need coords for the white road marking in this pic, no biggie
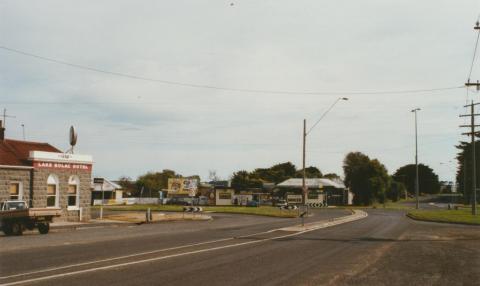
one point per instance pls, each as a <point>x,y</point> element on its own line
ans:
<point>131,255</point>
<point>148,260</point>
<point>161,257</point>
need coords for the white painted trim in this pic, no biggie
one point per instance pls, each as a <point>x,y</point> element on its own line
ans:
<point>15,167</point>
<point>60,157</point>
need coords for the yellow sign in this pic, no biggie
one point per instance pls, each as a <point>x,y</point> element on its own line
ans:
<point>183,186</point>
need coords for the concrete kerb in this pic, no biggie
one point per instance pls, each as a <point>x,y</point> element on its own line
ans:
<point>356,215</point>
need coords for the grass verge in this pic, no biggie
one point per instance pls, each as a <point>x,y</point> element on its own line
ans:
<point>263,210</point>
<point>461,216</point>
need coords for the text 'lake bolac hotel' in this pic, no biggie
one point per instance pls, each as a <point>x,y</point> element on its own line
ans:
<point>45,177</point>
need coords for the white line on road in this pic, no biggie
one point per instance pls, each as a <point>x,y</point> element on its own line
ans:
<point>130,255</point>
<point>147,260</point>
<point>346,219</point>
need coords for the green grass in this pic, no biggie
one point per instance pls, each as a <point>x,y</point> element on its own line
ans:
<point>388,206</point>
<point>263,210</point>
<point>463,216</point>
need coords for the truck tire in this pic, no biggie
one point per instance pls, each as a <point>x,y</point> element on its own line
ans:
<point>17,228</point>
<point>43,228</point>
<point>7,228</point>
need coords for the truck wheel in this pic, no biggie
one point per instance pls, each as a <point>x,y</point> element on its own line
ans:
<point>43,228</point>
<point>7,228</point>
<point>17,228</point>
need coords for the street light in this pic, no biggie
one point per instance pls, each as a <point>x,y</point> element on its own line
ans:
<point>416,160</point>
<point>305,133</point>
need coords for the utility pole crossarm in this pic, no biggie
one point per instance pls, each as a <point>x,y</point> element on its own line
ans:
<point>470,133</point>
<point>469,126</point>
<point>468,115</point>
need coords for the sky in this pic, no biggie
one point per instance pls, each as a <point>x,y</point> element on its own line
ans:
<point>311,51</point>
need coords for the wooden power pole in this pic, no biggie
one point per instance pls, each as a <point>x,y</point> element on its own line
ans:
<point>472,134</point>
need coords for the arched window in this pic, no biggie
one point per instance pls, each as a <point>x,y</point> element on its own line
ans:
<point>73,193</point>
<point>52,191</point>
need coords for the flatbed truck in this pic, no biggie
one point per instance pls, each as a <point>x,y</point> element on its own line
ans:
<point>16,216</point>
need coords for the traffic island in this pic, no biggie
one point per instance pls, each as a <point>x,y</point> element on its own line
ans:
<point>356,215</point>
<point>139,217</point>
<point>460,216</point>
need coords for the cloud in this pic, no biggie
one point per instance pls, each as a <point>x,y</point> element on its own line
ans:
<point>275,45</point>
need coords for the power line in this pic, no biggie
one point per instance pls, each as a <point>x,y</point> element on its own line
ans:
<point>204,86</point>
<point>474,51</point>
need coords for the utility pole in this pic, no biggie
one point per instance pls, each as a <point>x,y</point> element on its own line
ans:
<point>304,186</point>
<point>472,133</point>
<point>305,133</point>
<point>5,116</point>
<point>417,183</point>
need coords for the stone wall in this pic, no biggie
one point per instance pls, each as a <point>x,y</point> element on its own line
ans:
<point>40,177</point>
<point>10,175</point>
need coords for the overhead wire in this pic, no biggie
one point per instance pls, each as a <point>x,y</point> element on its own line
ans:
<point>214,87</point>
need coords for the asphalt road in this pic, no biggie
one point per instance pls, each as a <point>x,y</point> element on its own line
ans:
<point>384,248</point>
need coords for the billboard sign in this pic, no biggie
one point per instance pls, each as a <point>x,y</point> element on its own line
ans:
<point>294,199</point>
<point>183,186</point>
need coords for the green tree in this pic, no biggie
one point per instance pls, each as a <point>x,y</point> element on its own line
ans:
<point>465,167</point>
<point>129,186</point>
<point>396,191</point>
<point>331,176</point>
<point>367,179</point>
<point>428,180</point>
<point>243,180</point>
<point>310,172</point>
<point>153,182</point>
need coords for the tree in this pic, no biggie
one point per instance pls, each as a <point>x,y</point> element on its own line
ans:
<point>464,172</point>
<point>367,179</point>
<point>275,174</point>
<point>428,180</point>
<point>396,191</point>
<point>128,185</point>
<point>331,176</point>
<point>243,180</point>
<point>152,183</point>
<point>310,172</point>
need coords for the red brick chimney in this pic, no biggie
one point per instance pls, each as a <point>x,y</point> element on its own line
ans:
<point>2,131</point>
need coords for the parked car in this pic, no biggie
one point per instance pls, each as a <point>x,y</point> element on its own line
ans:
<point>178,201</point>
<point>202,201</point>
<point>252,204</point>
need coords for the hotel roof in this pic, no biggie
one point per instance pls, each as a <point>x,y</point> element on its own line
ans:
<point>16,152</point>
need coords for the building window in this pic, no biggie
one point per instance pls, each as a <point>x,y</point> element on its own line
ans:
<point>73,192</point>
<point>52,191</point>
<point>51,195</point>
<point>72,195</point>
<point>15,191</point>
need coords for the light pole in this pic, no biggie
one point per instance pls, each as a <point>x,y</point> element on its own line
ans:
<point>416,160</point>
<point>305,133</point>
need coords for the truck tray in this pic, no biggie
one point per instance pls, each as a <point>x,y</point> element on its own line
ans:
<point>33,212</point>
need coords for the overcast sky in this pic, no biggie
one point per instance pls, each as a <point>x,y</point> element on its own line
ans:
<point>132,126</point>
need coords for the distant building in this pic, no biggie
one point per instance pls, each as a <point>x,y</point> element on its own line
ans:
<point>45,177</point>
<point>320,190</point>
<point>107,190</point>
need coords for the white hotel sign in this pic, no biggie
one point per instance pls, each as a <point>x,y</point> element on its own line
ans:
<point>61,160</point>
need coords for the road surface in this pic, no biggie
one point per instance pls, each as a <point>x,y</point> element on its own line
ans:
<point>386,248</point>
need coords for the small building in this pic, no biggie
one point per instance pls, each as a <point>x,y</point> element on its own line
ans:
<point>320,191</point>
<point>106,190</point>
<point>45,177</point>
<point>224,196</point>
